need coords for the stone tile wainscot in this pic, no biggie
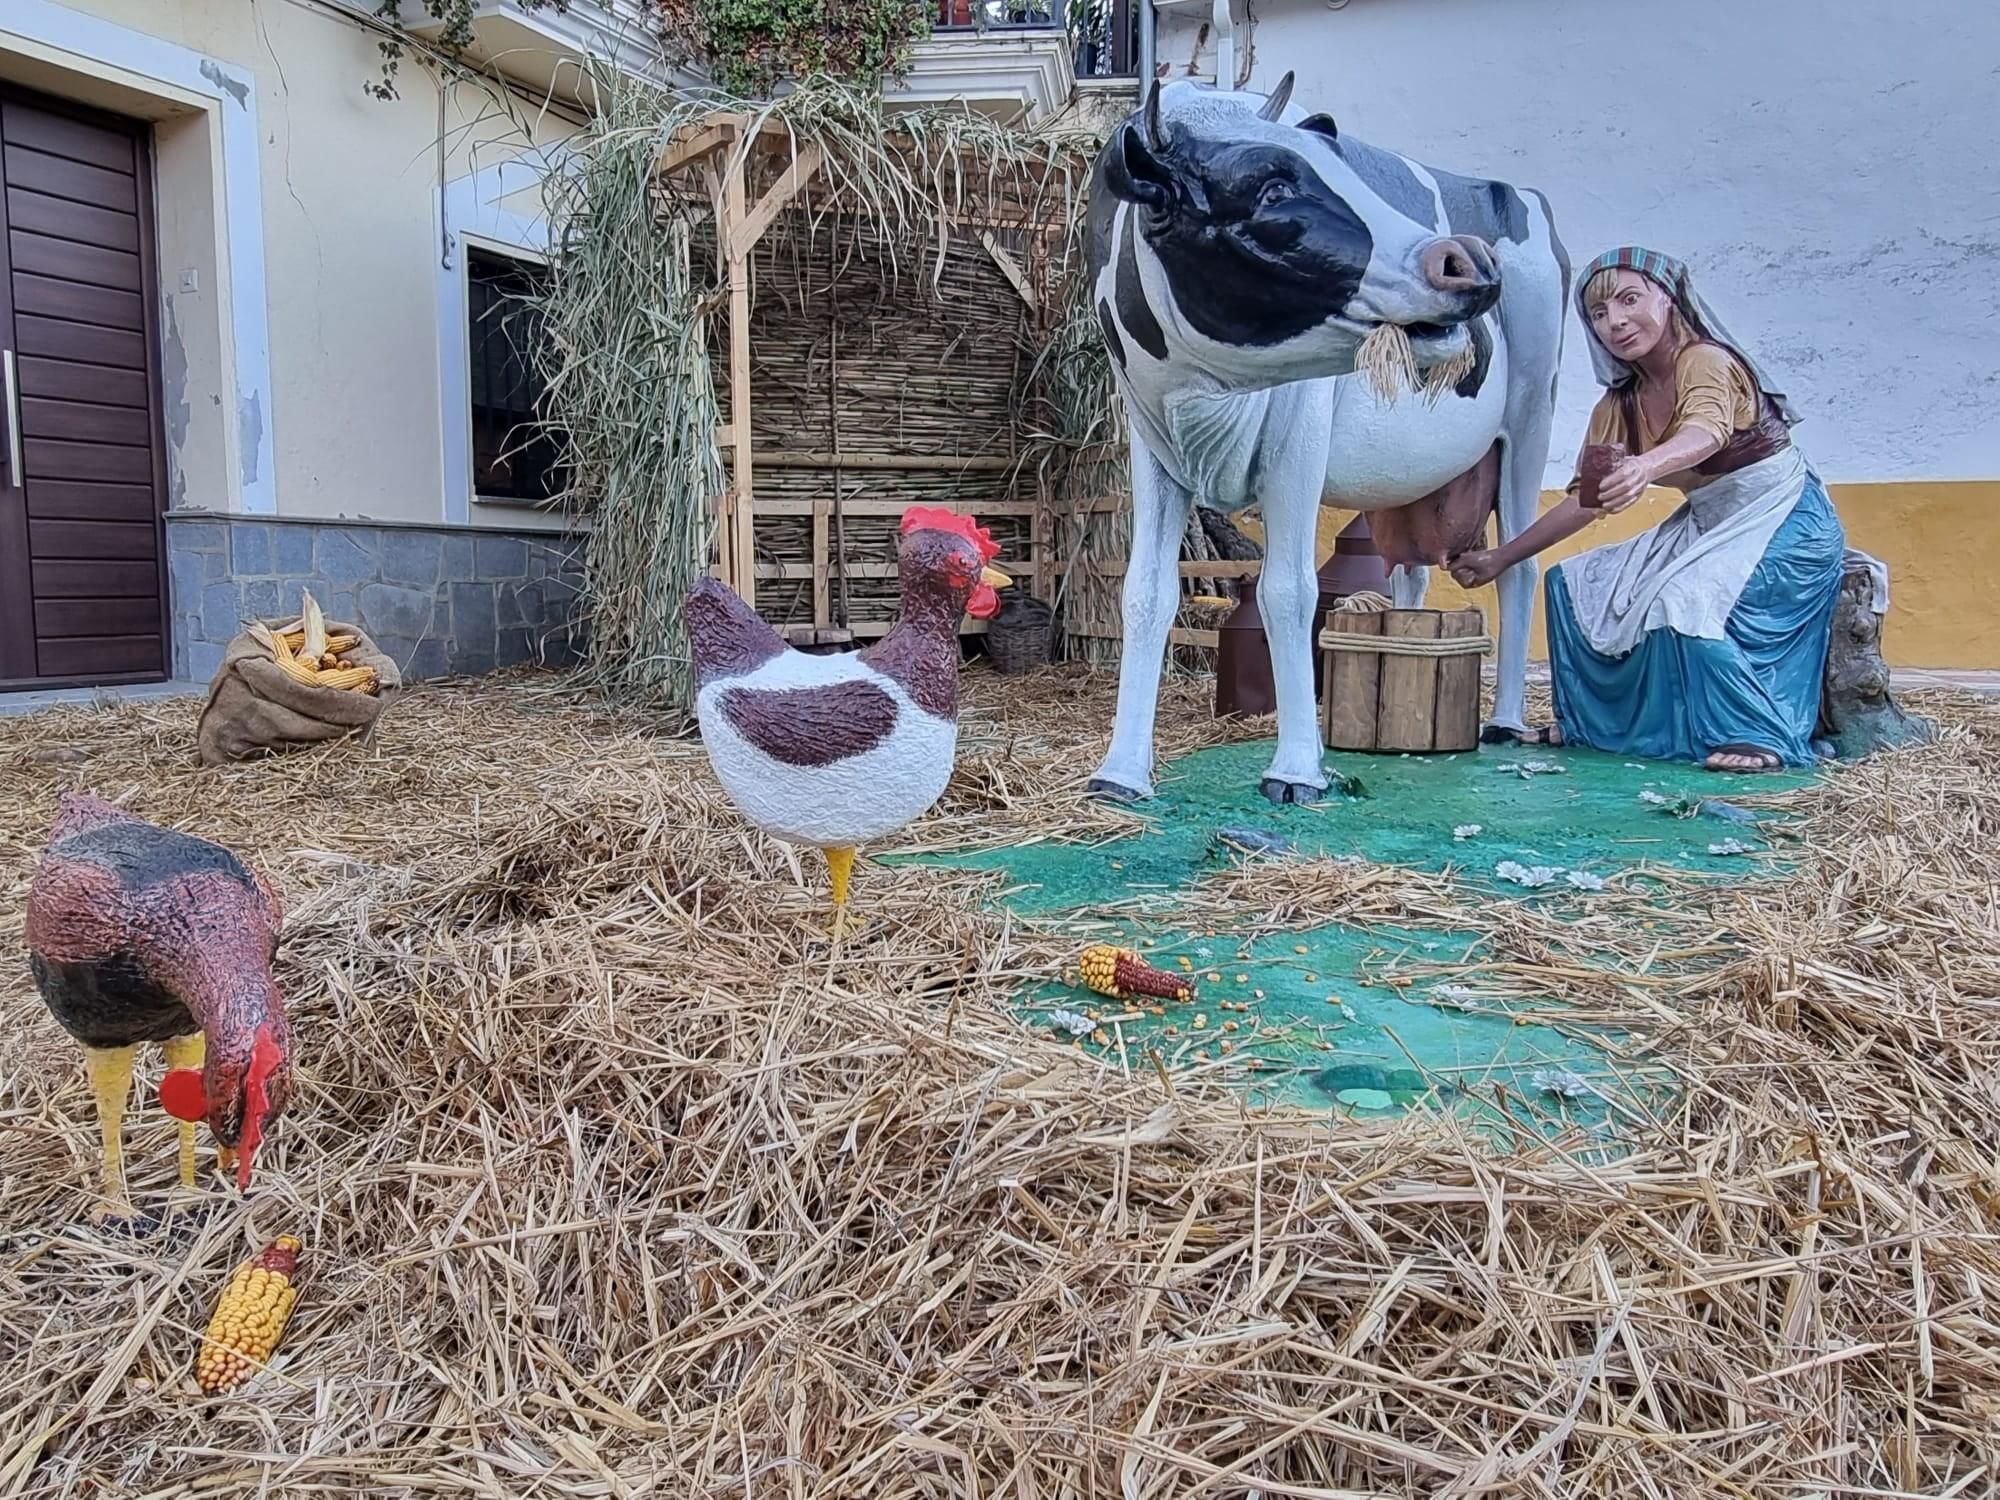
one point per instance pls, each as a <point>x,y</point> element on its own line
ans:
<point>439,600</point>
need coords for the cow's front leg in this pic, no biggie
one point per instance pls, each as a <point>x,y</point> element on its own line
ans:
<point>1288,597</point>
<point>1152,598</point>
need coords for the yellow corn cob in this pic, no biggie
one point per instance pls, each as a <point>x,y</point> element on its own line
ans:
<point>340,645</point>
<point>359,679</point>
<point>292,640</point>
<point>329,660</point>
<point>299,671</point>
<point>249,1318</point>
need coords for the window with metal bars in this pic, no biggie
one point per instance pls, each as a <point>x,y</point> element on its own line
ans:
<point>514,457</point>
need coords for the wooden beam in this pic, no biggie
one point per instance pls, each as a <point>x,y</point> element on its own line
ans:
<point>691,144</point>
<point>778,458</point>
<point>743,237</point>
<point>815,574</point>
<point>739,508</point>
<point>820,569</point>
<point>859,507</point>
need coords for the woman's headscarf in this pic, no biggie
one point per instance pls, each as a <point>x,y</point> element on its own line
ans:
<point>1672,277</point>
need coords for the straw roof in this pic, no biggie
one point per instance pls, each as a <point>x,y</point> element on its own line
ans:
<point>614,1183</point>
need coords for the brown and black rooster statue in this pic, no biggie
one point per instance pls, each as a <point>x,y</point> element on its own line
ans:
<point>140,934</point>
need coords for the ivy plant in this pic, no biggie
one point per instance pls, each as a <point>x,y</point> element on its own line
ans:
<point>452,40</point>
<point>749,47</point>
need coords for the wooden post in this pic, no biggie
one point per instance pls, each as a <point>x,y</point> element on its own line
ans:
<point>738,541</point>
<point>822,594</point>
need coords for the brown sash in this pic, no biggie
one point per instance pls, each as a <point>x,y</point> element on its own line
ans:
<point>1746,446</point>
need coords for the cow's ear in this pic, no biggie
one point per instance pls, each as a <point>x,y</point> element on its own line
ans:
<point>1321,125</point>
<point>1135,174</point>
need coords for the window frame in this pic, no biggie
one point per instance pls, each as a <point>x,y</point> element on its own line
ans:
<point>469,246</point>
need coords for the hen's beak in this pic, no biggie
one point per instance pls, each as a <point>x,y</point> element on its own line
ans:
<point>993,578</point>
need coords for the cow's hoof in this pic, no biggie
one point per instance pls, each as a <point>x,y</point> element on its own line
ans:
<point>1295,792</point>
<point>1115,791</point>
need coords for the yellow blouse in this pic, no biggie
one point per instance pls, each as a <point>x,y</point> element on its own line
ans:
<point>1713,393</point>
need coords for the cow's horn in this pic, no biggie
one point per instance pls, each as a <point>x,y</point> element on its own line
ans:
<point>1155,136</point>
<point>1274,107</point>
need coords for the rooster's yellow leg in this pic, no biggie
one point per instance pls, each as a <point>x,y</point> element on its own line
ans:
<point>187,1052</point>
<point>839,865</point>
<point>110,1084</point>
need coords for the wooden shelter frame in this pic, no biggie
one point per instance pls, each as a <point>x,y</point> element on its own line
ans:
<point>719,157</point>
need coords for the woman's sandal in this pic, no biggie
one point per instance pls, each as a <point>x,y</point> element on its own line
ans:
<point>1550,735</point>
<point>1765,759</point>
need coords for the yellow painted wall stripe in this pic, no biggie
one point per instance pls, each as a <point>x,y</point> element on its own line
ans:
<point>1941,540</point>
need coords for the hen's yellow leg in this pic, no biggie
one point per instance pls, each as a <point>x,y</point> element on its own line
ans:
<point>839,865</point>
<point>110,1084</point>
<point>187,1052</point>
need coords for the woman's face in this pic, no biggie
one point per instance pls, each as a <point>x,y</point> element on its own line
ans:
<point>1634,318</point>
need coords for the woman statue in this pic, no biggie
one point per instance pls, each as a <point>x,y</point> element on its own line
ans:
<point>1705,638</point>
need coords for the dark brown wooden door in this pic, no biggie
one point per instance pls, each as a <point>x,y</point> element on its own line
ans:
<point>82,566</point>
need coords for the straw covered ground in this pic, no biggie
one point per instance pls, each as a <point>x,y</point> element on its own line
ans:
<point>613,1185</point>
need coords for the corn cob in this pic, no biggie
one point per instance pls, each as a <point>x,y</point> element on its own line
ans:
<point>1119,972</point>
<point>299,671</point>
<point>360,679</point>
<point>249,1318</point>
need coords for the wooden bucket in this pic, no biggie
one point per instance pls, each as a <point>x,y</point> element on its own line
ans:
<point>1402,680</point>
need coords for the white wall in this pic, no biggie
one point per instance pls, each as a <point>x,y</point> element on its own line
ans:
<point>345,232</point>
<point>1830,168</point>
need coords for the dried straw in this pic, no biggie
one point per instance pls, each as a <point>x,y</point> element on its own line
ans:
<point>614,1184</point>
<point>1389,361</point>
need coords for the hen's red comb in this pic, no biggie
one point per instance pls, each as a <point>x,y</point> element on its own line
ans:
<point>936,518</point>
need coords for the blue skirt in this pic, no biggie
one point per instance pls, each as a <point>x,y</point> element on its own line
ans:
<point>1677,697</point>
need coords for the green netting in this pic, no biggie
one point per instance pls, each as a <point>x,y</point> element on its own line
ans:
<point>1570,810</point>
<point>1355,1021</point>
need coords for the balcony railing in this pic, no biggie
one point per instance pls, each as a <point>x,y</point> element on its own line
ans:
<point>1103,33</point>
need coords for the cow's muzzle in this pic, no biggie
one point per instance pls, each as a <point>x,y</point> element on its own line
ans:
<point>1462,266</point>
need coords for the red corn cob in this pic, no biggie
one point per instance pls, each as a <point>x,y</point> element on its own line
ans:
<point>1119,973</point>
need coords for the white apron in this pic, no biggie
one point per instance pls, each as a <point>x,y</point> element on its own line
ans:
<point>1687,573</point>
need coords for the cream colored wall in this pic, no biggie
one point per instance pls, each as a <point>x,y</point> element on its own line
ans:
<point>1937,538</point>
<point>349,185</point>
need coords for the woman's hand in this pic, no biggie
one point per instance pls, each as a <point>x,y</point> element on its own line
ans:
<point>1472,570</point>
<point>1623,486</point>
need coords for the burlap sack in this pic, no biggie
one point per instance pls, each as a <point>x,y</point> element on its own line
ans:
<point>254,709</point>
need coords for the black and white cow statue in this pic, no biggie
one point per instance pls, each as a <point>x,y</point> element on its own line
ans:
<point>1241,251</point>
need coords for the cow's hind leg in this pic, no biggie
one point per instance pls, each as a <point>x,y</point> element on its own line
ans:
<point>1152,598</point>
<point>1408,584</point>
<point>1535,279</point>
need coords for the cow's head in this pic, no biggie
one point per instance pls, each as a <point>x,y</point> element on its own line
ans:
<point>1272,245</point>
